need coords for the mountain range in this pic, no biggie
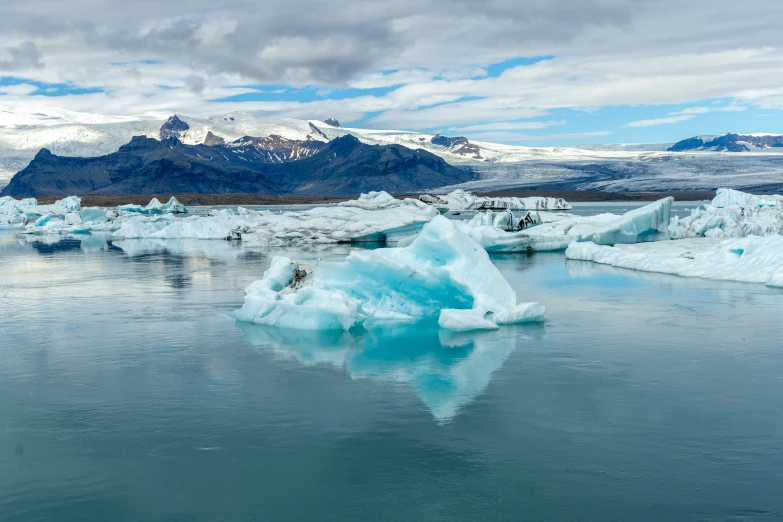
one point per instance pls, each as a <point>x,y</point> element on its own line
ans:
<point>262,166</point>
<point>290,156</point>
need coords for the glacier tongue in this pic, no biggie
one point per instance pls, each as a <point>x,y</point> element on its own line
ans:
<point>441,275</point>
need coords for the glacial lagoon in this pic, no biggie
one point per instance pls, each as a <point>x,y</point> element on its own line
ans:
<point>127,392</point>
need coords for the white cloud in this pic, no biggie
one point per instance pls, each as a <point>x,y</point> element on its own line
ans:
<point>659,121</point>
<point>607,53</point>
<point>509,126</point>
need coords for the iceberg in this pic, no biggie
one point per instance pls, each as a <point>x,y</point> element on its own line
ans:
<point>441,275</point>
<point>750,259</point>
<point>726,197</point>
<point>558,230</point>
<point>156,207</point>
<point>732,214</point>
<point>460,200</point>
<point>373,218</point>
<point>14,212</point>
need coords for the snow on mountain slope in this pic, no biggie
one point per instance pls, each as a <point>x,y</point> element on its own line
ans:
<point>610,168</point>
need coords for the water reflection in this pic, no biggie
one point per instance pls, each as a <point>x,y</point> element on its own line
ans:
<point>446,370</point>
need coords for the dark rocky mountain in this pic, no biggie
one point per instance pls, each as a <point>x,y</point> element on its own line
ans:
<point>457,145</point>
<point>212,139</point>
<point>344,166</point>
<point>333,122</point>
<point>173,128</point>
<point>729,143</point>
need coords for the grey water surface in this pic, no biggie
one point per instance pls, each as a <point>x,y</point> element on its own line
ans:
<point>127,393</point>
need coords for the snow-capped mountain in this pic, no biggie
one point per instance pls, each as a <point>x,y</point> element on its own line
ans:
<point>731,143</point>
<point>686,166</point>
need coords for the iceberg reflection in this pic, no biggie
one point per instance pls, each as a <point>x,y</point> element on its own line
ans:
<point>446,370</point>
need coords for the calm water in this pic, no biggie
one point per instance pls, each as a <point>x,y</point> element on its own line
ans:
<point>128,394</point>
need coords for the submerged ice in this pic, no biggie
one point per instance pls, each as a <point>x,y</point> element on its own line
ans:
<point>441,275</point>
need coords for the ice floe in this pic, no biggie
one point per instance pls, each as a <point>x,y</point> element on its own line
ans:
<point>558,230</point>
<point>441,275</point>
<point>460,200</point>
<point>750,259</point>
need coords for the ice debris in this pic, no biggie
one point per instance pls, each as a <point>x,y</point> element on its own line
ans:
<point>442,275</point>
<point>750,259</point>
<point>558,230</point>
<point>460,200</point>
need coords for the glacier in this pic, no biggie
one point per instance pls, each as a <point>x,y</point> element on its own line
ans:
<point>459,200</point>
<point>558,230</point>
<point>749,259</point>
<point>441,275</point>
<point>732,214</point>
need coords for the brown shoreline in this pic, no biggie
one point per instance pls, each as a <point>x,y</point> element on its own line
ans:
<point>111,200</point>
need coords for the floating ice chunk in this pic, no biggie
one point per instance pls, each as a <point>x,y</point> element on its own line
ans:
<point>645,224</point>
<point>557,231</point>
<point>441,275</point>
<point>172,207</point>
<point>731,220</point>
<point>751,259</point>
<point>14,212</point>
<point>93,215</point>
<point>734,198</point>
<point>506,220</point>
<point>156,207</point>
<point>459,200</point>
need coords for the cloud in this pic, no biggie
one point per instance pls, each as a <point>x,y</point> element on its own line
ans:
<point>684,115</point>
<point>22,57</point>
<point>660,121</point>
<point>509,126</point>
<point>195,83</point>
<point>427,57</point>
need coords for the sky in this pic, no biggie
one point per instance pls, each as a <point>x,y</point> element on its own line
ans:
<point>522,72</point>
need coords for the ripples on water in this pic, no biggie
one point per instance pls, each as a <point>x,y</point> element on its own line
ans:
<point>127,393</point>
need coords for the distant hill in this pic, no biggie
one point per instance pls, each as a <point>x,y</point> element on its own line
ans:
<point>272,165</point>
<point>730,143</point>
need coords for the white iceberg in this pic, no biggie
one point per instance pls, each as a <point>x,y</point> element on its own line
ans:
<point>459,200</point>
<point>734,198</point>
<point>558,230</point>
<point>376,217</point>
<point>732,214</point>
<point>156,207</point>
<point>442,275</point>
<point>750,259</point>
<point>14,212</point>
